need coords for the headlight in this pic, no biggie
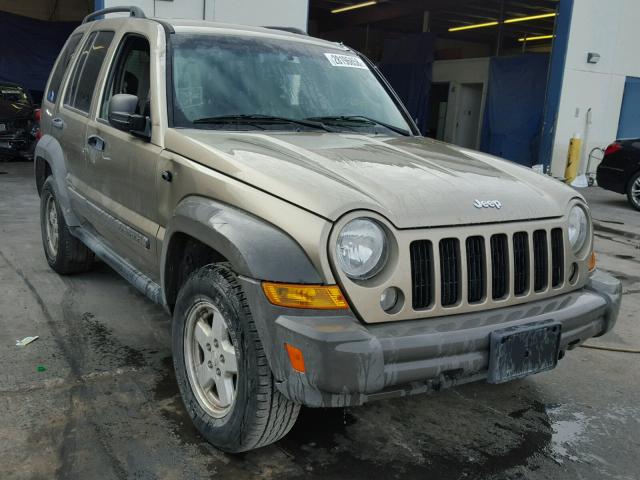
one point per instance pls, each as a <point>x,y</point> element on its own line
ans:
<point>578,227</point>
<point>361,248</point>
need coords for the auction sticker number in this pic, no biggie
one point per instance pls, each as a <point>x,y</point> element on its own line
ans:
<point>348,61</point>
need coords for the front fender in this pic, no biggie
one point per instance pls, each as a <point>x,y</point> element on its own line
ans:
<point>254,247</point>
<point>49,150</point>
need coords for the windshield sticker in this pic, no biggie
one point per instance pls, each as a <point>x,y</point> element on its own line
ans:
<point>349,61</point>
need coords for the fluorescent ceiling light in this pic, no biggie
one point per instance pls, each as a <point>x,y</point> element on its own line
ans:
<point>539,37</point>
<point>477,25</point>
<point>532,17</point>
<point>509,20</point>
<point>354,6</point>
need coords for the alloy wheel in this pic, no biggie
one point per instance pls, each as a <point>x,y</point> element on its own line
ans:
<point>210,358</point>
<point>51,226</point>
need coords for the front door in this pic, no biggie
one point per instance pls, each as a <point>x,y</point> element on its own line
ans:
<point>122,167</point>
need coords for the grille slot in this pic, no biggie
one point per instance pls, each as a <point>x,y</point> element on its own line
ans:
<point>449,271</point>
<point>540,260</point>
<point>557,257</point>
<point>475,269</point>
<point>499,267</point>
<point>520,263</point>
<point>422,274</point>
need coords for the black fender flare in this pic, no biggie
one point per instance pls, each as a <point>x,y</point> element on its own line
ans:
<point>255,248</point>
<point>49,150</point>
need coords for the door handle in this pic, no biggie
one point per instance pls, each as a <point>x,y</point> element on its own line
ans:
<point>57,122</point>
<point>96,142</point>
<point>167,176</point>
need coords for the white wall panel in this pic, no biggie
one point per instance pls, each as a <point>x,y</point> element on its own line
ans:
<point>610,29</point>
<point>282,13</point>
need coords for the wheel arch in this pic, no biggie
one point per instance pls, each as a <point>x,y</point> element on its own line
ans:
<point>203,231</point>
<point>50,160</point>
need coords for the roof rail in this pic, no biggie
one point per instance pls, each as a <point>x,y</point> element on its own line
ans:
<point>133,12</point>
<point>288,29</point>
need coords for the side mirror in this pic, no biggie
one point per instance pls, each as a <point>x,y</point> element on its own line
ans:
<point>122,108</point>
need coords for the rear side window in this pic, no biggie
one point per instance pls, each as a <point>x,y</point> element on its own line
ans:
<point>61,67</point>
<point>85,74</point>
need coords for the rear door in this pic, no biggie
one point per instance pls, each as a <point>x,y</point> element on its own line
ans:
<point>52,92</point>
<point>69,122</point>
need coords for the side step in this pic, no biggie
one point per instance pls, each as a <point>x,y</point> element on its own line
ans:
<point>134,276</point>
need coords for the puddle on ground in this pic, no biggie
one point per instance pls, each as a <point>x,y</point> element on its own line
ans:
<point>429,436</point>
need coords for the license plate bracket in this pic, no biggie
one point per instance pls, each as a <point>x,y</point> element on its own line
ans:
<point>522,350</point>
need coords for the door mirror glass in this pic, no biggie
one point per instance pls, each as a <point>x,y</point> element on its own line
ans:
<point>123,116</point>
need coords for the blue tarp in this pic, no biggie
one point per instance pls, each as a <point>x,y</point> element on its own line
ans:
<point>406,63</point>
<point>29,48</point>
<point>629,125</point>
<point>514,107</point>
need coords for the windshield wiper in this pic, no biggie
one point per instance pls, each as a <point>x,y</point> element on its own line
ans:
<point>257,119</point>
<point>360,119</point>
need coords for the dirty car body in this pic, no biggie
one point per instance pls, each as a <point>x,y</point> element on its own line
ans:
<point>16,120</point>
<point>372,261</point>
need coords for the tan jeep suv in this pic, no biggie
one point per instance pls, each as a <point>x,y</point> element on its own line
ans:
<point>272,193</point>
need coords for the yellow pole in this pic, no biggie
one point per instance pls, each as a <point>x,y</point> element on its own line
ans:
<point>573,159</point>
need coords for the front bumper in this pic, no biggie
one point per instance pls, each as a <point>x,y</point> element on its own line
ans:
<point>350,363</point>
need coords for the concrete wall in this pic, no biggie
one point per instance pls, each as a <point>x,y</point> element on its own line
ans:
<point>281,13</point>
<point>611,29</point>
<point>456,72</point>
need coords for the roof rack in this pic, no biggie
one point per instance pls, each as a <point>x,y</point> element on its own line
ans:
<point>288,29</point>
<point>133,12</point>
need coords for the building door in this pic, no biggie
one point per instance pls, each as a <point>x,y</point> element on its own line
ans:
<point>468,115</point>
<point>437,110</point>
<point>629,125</point>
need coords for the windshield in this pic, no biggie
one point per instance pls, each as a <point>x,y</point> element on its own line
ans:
<point>246,83</point>
<point>13,94</point>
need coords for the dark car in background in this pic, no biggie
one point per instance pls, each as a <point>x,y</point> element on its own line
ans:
<point>619,170</point>
<point>19,127</point>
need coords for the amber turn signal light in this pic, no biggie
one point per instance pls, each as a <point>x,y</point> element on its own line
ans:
<point>295,357</point>
<point>319,297</point>
<point>592,262</point>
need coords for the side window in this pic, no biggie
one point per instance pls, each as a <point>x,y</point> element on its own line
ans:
<point>61,67</point>
<point>85,74</point>
<point>130,74</point>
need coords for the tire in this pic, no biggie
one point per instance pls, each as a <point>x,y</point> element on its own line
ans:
<point>64,252</point>
<point>210,302</point>
<point>633,191</point>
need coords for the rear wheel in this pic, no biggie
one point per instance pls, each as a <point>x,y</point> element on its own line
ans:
<point>633,191</point>
<point>65,253</point>
<point>221,368</point>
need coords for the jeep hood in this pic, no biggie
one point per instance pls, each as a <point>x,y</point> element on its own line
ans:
<point>412,181</point>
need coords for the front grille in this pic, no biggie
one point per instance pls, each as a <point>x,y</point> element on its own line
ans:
<point>12,125</point>
<point>499,266</point>
<point>449,271</point>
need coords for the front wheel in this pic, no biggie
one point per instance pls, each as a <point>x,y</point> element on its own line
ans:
<point>222,371</point>
<point>633,191</point>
